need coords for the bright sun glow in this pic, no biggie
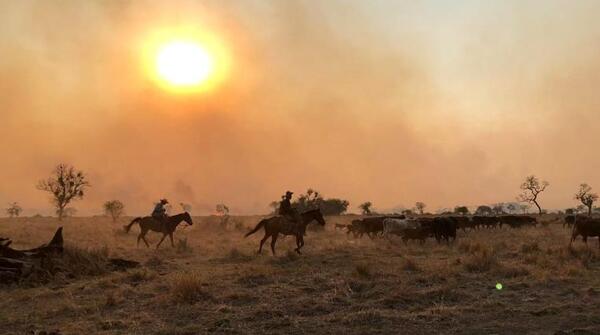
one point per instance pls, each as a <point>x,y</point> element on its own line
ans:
<point>185,59</point>
<point>184,63</point>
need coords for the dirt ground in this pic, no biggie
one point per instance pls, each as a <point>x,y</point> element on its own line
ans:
<point>213,281</point>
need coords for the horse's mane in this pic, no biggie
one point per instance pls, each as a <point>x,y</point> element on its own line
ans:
<point>312,210</point>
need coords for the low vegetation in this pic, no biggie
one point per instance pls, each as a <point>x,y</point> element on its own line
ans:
<point>213,281</point>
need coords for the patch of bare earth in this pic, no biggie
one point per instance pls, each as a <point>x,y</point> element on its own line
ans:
<point>213,281</point>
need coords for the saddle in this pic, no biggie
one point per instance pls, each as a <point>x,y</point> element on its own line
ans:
<point>289,226</point>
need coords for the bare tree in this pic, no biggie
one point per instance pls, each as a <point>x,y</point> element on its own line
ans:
<point>532,187</point>
<point>420,206</point>
<point>365,207</point>
<point>586,197</point>
<point>14,210</point>
<point>114,208</point>
<point>65,185</point>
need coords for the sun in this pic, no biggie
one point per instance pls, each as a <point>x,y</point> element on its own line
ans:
<point>184,63</point>
<point>186,59</point>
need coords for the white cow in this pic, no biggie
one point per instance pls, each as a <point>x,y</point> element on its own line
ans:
<point>397,226</point>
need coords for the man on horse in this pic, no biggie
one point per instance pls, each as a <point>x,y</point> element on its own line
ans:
<point>289,213</point>
<point>160,212</point>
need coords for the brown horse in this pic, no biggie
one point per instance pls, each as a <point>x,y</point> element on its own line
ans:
<point>149,223</point>
<point>278,225</point>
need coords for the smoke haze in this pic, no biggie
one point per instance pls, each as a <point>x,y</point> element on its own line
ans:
<point>392,102</point>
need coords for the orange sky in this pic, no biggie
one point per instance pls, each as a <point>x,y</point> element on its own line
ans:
<point>446,102</point>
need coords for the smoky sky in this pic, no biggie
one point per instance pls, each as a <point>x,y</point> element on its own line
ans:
<point>445,102</point>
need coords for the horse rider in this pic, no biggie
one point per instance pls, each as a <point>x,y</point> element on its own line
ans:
<point>160,212</point>
<point>287,211</point>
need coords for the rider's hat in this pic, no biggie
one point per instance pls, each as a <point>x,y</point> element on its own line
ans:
<point>288,193</point>
<point>164,201</point>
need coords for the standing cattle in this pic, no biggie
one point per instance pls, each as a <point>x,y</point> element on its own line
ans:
<point>444,228</point>
<point>463,222</point>
<point>569,220</point>
<point>372,226</point>
<point>397,226</point>
<point>517,221</point>
<point>485,221</point>
<point>586,227</point>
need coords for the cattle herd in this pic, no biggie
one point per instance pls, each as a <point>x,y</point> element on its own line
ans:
<point>443,228</point>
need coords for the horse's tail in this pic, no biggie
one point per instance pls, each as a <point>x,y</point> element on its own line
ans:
<point>258,226</point>
<point>134,221</point>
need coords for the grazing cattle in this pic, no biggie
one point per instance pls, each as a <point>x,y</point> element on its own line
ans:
<point>485,221</point>
<point>397,226</point>
<point>517,221</point>
<point>444,228</point>
<point>586,227</point>
<point>420,233</point>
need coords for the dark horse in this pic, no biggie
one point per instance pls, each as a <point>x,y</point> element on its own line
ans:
<point>277,225</point>
<point>149,223</point>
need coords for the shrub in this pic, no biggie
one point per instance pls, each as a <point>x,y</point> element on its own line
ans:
<point>480,261</point>
<point>188,288</point>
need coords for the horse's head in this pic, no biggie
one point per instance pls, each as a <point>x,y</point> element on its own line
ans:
<point>316,215</point>
<point>187,218</point>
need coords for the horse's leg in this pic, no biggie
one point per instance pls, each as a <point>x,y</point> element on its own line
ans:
<point>143,236</point>
<point>264,239</point>
<point>162,239</point>
<point>301,244</point>
<point>171,237</point>
<point>273,241</point>
<point>297,244</point>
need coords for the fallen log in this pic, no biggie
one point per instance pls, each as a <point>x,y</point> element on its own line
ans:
<point>15,264</point>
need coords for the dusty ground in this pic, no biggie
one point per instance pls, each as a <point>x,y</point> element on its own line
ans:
<point>216,283</point>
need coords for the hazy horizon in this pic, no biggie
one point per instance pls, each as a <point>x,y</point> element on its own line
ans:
<point>393,102</point>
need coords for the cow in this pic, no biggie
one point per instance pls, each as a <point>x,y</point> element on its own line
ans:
<point>463,222</point>
<point>444,228</point>
<point>397,226</point>
<point>485,221</point>
<point>569,220</point>
<point>517,221</point>
<point>372,226</point>
<point>586,227</point>
<point>420,233</point>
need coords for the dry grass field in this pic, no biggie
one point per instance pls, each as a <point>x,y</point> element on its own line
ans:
<point>213,282</point>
